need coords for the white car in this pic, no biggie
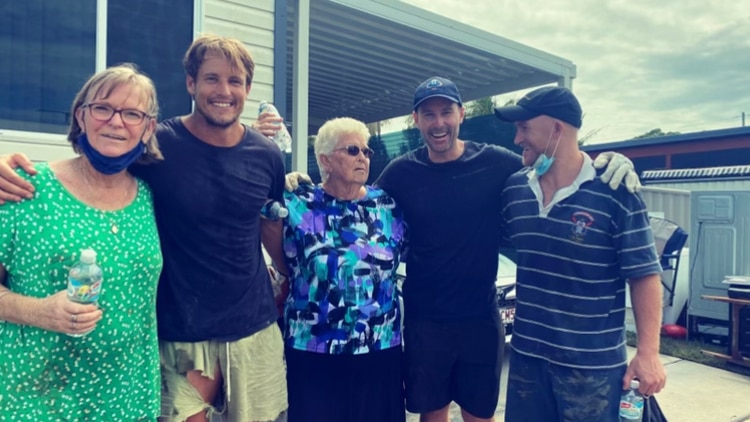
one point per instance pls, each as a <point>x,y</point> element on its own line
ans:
<point>506,291</point>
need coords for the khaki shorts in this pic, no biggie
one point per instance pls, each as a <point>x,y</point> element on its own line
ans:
<point>254,377</point>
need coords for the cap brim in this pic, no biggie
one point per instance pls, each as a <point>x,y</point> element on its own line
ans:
<point>447,97</point>
<point>514,113</point>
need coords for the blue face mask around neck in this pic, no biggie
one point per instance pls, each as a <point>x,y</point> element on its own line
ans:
<point>543,162</point>
<point>109,165</point>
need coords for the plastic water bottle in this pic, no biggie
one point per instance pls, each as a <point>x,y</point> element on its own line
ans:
<point>282,137</point>
<point>273,210</point>
<point>631,404</point>
<point>85,280</point>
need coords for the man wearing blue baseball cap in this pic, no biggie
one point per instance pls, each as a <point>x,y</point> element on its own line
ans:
<point>451,191</point>
<point>579,243</point>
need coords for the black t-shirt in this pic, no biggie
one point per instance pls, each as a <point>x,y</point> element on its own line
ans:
<point>207,201</point>
<point>453,213</point>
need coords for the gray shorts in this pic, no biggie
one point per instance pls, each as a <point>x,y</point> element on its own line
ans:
<point>254,375</point>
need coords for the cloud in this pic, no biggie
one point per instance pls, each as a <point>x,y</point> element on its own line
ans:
<point>678,65</point>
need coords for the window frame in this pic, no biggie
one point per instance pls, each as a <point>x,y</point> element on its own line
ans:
<point>100,63</point>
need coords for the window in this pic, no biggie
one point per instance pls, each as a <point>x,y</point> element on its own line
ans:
<point>153,34</point>
<point>49,50</point>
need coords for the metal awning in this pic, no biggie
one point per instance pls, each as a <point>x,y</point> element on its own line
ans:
<point>366,57</point>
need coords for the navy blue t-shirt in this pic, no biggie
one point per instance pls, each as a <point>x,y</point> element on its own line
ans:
<point>207,201</point>
<point>453,213</point>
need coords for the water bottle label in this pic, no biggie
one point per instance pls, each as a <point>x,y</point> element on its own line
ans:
<point>631,410</point>
<point>83,292</point>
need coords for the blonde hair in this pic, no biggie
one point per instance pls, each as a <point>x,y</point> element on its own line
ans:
<point>230,48</point>
<point>329,135</point>
<point>101,85</point>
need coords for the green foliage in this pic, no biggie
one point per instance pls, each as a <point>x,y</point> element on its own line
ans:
<point>379,160</point>
<point>409,121</point>
<point>375,128</point>
<point>413,140</point>
<point>582,140</point>
<point>480,107</point>
<point>654,133</point>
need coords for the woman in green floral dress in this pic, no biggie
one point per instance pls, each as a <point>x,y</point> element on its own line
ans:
<point>48,371</point>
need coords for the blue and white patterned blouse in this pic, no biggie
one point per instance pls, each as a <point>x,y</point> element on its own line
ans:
<point>343,257</point>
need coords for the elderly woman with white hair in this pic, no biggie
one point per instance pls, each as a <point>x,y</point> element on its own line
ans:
<point>342,244</point>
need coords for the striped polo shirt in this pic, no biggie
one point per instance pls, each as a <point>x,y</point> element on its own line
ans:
<point>574,257</point>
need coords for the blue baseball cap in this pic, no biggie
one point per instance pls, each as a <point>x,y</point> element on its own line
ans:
<point>436,87</point>
<point>553,101</point>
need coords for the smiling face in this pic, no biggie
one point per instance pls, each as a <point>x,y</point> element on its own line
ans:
<point>219,91</point>
<point>344,168</point>
<point>439,120</point>
<point>114,137</point>
<point>534,136</point>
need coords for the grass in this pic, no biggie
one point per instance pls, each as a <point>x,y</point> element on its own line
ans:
<point>692,350</point>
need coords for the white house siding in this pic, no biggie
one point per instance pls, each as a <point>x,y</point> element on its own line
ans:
<point>252,22</point>
<point>673,197</point>
<point>673,203</point>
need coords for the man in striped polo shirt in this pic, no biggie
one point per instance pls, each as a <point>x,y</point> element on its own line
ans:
<point>578,244</point>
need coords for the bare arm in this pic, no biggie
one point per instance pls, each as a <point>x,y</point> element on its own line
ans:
<point>12,187</point>
<point>271,233</point>
<point>53,313</point>
<point>645,294</point>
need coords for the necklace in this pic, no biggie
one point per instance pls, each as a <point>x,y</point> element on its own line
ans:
<point>113,225</point>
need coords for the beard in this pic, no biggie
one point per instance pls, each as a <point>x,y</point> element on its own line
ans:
<point>215,122</point>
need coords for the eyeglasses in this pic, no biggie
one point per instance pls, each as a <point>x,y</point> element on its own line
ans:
<point>354,151</point>
<point>103,113</point>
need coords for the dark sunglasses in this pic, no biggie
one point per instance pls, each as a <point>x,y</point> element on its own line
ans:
<point>354,151</point>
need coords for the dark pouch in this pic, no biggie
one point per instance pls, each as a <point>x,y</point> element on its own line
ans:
<point>652,412</point>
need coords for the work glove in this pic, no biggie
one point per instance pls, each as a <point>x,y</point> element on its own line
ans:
<point>295,178</point>
<point>619,170</point>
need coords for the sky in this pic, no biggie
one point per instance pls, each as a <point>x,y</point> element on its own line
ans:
<point>678,65</point>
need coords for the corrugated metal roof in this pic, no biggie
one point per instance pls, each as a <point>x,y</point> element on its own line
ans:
<point>367,57</point>
<point>670,139</point>
<point>697,173</point>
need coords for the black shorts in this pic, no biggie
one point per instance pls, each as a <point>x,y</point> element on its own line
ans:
<point>454,361</point>
<point>345,388</point>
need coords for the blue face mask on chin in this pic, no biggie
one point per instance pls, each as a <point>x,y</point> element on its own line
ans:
<point>109,165</point>
<point>542,164</point>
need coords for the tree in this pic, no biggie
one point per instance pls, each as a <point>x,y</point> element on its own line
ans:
<point>480,107</point>
<point>375,127</point>
<point>654,133</point>
<point>409,121</point>
<point>588,136</point>
<point>413,140</point>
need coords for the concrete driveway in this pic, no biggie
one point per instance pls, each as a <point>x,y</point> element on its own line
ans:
<point>694,393</point>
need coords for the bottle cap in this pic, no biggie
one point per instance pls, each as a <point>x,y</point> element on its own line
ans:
<point>283,212</point>
<point>88,256</point>
<point>634,384</point>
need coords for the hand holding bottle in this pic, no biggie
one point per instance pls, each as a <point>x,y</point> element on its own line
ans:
<point>267,112</point>
<point>84,285</point>
<point>57,313</point>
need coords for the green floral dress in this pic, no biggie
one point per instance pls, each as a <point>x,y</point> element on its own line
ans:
<point>112,373</point>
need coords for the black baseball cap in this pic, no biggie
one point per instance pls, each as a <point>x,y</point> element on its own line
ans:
<point>436,87</point>
<point>553,101</point>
